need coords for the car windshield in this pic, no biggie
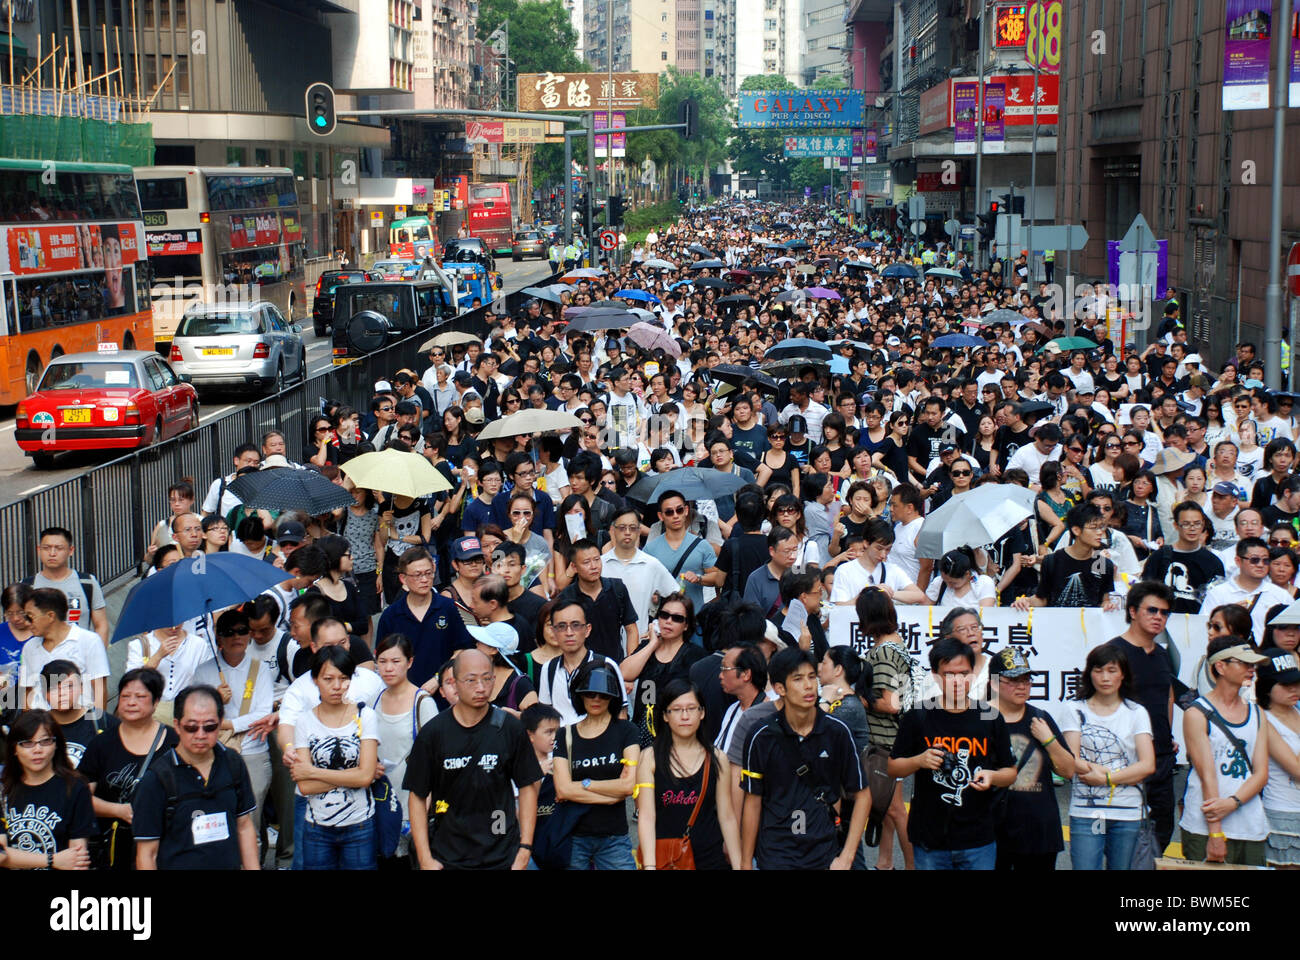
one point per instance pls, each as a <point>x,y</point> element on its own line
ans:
<point>219,325</point>
<point>89,376</point>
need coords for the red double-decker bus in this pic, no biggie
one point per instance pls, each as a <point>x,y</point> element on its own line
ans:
<point>490,217</point>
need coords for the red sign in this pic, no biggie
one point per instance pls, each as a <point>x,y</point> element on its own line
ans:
<point>1011,26</point>
<point>932,182</point>
<point>1293,270</point>
<point>1019,105</point>
<point>165,242</point>
<point>69,246</point>
<point>936,109</point>
<point>485,131</point>
<point>254,230</point>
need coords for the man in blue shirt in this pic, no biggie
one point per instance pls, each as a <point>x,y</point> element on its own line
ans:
<point>431,622</point>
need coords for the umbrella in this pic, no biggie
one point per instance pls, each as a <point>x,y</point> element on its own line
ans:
<point>822,293</point>
<point>656,263</point>
<point>594,310</point>
<point>700,250</point>
<point>784,261</point>
<point>788,296</point>
<point>974,519</point>
<point>193,588</point>
<point>716,282</point>
<point>782,225</point>
<point>604,320</point>
<point>404,473</point>
<point>799,347</point>
<point>1031,407</point>
<point>693,483</point>
<point>943,272</point>
<point>866,245</point>
<point>857,344</point>
<point>543,294</point>
<point>1291,615</point>
<point>904,270</point>
<point>637,295</point>
<point>737,299</point>
<point>584,273</point>
<point>641,312</point>
<point>529,421</point>
<point>839,364</point>
<point>959,340</point>
<point>738,275</point>
<point>798,245</point>
<point>652,337</point>
<point>1003,316</point>
<point>764,271</point>
<point>859,265</point>
<point>707,265</point>
<point>279,488</point>
<point>1071,343</point>
<point>806,268</point>
<point>794,366</point>
<point>739,375</point>
<point>449,340</point>
<point>1034,325</point>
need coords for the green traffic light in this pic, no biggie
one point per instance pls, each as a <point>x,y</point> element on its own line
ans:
<point>321,121</point>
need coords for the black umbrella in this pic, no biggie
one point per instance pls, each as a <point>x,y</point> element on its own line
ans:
<point>738,375</point>
<point>603,320</point>
<point>1035,406</point>
<point>716,282</point>
<point>281,488</point>
<point>764,271</point>
<point>779,225</point>
<point>700,250</point>
<point>794,366</point>
<point>798,245</point>
<point>707,265</point>
<point>738,299</point>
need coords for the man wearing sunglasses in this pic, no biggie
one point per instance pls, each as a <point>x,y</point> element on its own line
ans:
<point>1251,587</point>
<point>193,809</point>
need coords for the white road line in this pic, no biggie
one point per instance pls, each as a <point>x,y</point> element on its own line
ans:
<point>9,426</point>
<point>203,418</point>
<point>39,486</point>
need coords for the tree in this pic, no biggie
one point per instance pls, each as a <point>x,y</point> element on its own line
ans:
<point>762,152</point>
<point>666,148</point>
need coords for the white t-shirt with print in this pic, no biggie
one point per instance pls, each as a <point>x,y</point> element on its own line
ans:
<point>1109,740</point>
<point>337,748</point>
<point>81,647</point>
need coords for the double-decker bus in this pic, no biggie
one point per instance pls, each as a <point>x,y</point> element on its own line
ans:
<point>221,234</point>
<point>490,218</point>
<point>412,238</point>
<point>73,266</point>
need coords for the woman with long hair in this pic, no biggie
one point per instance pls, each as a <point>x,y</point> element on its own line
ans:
<point>894,455</point>
<point>788,512</point>
<point>1104,472</point>
<point>1216,428</point>
<point>777,465</point>
<point>983,445</point>
<point>14,632</point>
<point>1194,480</point>
<point>1279,458</point>
<point>45,803</point>
<point>116,761</point>
<point>453,428</point>
<point>1051,505</point>
<point>665,656</point>
<point>573,522</point>
<point>681,787</point>
<point>960,583</point>
<point>834,438</point>
<point>1277,691</point>
<point>1110,737</point>
<point>322,444</point>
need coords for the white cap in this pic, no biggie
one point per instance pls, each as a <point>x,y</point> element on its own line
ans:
<point>1193,358</point>
<point>382,385</point>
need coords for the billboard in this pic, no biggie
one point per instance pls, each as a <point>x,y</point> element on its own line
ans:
<point>620,139</point>
<point>1246,55</point>
<point>568,92</point>
<point>800,108</point>
<point>835,146</point>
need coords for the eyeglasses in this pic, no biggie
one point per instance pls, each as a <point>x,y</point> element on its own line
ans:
<point>210,727</point>
<point>421,575</point>
<point>521,474</point>
<point>1156,611</point>
<point>385,409</point>
<point>688,711</point>
<point>674,617</point>
<point>235,632</point>
<point>1132,443</point>
<point>573,626</point>
<point>626,527</point>
<point>436,355</point>
<point>521,513</point>
<point>1111,446</point>
<point>44,742</point>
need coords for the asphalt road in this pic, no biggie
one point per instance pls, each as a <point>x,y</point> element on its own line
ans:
<point>18,477</point>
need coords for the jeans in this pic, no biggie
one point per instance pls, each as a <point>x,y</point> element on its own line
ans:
<point>602,853</point>
<point>1093,841</point>
<point>973,858</point>
<point>299,822</point>
<point>338,848</point>
<point>1160,799</point>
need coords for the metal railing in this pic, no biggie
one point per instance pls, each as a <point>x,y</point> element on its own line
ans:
<point>112,509</point>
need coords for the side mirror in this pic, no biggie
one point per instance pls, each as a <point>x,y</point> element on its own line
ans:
<point>295,328</point>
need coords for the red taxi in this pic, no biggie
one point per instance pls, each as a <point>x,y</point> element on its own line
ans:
<point>112,400</point>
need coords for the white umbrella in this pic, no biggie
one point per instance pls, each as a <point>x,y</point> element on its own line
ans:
<point>974,519</point>
<point>529,421</point>
<point>1288,616</point>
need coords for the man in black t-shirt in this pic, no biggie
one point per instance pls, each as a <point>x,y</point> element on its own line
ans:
<point>927,436</point>
<point>1077,575</point>
<point>1184,565</point>
<point>958,750</point>
<point>1012,436</point>
<point>461,769</point>
<point>745,550</point>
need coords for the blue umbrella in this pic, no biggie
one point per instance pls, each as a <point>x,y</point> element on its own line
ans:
<point>839,364</point>
<point>900,270</point>
<point>192,588</point>
<point>637,295</point>
<point>959,340</point>
<point>798,347</point>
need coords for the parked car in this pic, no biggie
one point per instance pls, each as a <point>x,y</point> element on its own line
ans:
<point>528,243</point>
<point>114,400</point>
<point>369,316</point>
<point>322,307</point>
<point>221,346</point>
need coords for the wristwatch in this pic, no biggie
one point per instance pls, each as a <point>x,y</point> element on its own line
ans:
<point>586,784</point>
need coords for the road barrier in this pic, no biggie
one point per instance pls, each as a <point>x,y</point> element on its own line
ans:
<point>112,509</point>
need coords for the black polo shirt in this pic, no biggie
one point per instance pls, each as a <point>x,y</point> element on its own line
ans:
<point>797,829</point>
<point>613,612</point>
<point>197,826</point>
<point>1153,679</point>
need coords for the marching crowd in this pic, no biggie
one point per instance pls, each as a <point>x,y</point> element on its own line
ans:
<point>606,646</point>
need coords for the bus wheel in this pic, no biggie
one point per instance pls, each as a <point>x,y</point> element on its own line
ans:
<point>33,375</point>
<point>128,341</point>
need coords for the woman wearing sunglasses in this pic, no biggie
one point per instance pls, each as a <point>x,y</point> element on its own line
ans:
<point>46,804</point>
<point>1103,473</point>
<point>666,655</point>
<point>777,465</point>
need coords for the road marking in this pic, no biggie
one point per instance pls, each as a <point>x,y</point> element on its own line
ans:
<point>9,426</point>
<point>203,418</point>
<point>39,486</point>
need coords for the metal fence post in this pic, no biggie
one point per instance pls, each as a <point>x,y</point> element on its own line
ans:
<point>90,547</point>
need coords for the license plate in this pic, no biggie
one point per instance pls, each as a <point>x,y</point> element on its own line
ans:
<point>218,351</point>
<point>81,415</point>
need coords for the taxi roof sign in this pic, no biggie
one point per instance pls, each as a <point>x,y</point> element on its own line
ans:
<point>106,347</point>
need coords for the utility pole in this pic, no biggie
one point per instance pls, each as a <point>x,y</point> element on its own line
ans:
<point>609,113</point>
<point>1033,182</point>
<point>979,126</point>
<point>1273,293</point>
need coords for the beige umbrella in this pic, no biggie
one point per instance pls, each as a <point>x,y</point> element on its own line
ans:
<point>396,471</point>
<point>449,340</point>
<point>530,421</point>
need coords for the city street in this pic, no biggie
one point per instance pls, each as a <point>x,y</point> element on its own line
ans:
<point>18,477</point>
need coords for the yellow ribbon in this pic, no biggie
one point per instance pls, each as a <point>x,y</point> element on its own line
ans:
<point>637,789</point>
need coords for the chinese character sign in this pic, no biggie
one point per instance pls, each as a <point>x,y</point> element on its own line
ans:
<point>801,108</point>
<point>965,105</point>
<point>995,112</point>
<point>540,92</point>
<point>832,146</point>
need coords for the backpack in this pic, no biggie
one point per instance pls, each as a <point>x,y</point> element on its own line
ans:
<point>86,580</point>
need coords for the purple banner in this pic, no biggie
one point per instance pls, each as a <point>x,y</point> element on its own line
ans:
<point>995,112</point>
<point>871,145</point>
<point>1294,97</point>
<point>857,147</point>
<point>965,106</point>
<point>1246,55</point>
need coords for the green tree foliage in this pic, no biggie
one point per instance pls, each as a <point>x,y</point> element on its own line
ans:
<point>713,124</point>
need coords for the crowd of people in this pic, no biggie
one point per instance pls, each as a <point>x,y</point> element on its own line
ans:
<point>545,667</point>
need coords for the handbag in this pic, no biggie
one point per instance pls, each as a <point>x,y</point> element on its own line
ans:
<point>875,763</point>
<point>675,853</point>
<point>1147,848</point>
<point>553,837</point>
<point>103,848</point>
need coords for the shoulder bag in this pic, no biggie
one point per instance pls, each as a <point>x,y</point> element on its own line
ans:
<point>103,848</point>
<point>675,853</point>
<point>235,741</point>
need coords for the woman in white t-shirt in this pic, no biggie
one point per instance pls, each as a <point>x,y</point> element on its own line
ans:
<point>1110,737</point>
<point>401,711</point>
<point>959,584</point>
<point>333,766</point>
<point>1277,688</point>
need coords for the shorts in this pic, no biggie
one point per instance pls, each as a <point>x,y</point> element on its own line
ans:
<point>1282,849</point>
<point>1249,853</point>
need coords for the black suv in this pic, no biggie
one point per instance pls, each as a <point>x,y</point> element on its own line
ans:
<point>322,307</point>
<point>468,250</point>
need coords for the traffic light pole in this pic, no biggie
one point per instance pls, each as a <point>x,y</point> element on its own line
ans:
<point>568,165</point>
<point>979,126</point>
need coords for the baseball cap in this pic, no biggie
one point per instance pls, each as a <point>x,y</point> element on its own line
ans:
<point>1009,662</point>
<point>773,635</point>
<point>382,386</point>
<point>948,448</point>
<point>1193,358</point>
<point>1240,651</point>
<point>275,460</point>
<point>1226,488</point>
<point>290,531</point>
<point>466,548</point>
<point>474,415</point>
<point>502,636</point>
<point>1279,666</point>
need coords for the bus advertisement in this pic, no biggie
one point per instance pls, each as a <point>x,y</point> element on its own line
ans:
<point>490,218</point>
<point>221,235</point>
<point>74,269</point>
<point>412,238</point>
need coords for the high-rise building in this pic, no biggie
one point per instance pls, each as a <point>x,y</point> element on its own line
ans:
<point>822,46</point>
<point>644,34</point>
<point>766,39</point>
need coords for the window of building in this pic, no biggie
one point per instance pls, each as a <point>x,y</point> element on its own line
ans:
<point>235,156</point>
<point>769,45</point>
<point>261,157</point>
<point>300,163</point>
<point>663,38</point>
<point>663,54</point>
<point>164,15</point>
<point>180,18</point>
<point>769,24</point>
<point>708,33</point>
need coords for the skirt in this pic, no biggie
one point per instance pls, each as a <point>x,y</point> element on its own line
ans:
<point>1283,849</point>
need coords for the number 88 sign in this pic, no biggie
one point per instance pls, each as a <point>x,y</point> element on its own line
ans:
<point>1043,43</point>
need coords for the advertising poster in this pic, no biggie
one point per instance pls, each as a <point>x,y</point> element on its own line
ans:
<point>995,114</point>
<point>965,102</point>
<point>800,108</point>
<point>1246,55</point>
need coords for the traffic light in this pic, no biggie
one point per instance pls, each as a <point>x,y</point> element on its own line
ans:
<point>900,212</point>
<point>320,109</point>
<point>988,223</point>
<point>1013,204</point>
<point>687,113</point>
<point>614,217</point>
